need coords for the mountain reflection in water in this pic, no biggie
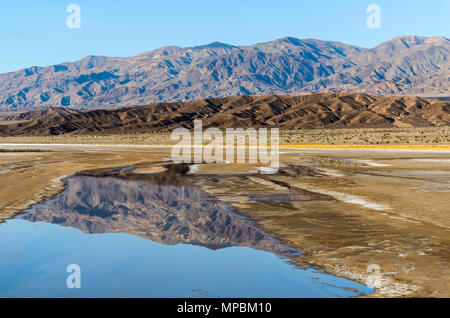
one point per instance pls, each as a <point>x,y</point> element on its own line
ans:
<point>166,208</point>
<point>162,207</point>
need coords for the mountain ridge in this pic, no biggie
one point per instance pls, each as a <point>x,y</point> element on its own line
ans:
<point>404,65</point>
<point>336,110</point>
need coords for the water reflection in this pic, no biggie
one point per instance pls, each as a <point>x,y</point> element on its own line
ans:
<point>162,207</point>
<point>159,210</point>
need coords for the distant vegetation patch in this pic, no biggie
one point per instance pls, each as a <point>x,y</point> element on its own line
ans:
<point>24,150</point>
<point>362,136</point>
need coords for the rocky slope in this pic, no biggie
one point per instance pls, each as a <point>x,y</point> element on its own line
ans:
<point>337,110</point>
<point>405,65</point>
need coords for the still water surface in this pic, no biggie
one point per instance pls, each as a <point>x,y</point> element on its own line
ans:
<point>149,236</point>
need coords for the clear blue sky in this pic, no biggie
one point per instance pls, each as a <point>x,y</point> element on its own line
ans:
<point>35,32</point>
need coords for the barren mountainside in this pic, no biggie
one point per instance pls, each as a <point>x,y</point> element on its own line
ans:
<point>405,65</point>
<point>337,110</point>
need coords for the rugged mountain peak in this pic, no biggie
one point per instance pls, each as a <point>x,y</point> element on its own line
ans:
<point>214,45</point>
<point>405,65</point>
<point>290,40</point>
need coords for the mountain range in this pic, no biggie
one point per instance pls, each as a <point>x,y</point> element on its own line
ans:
<point>405,65</point>
<point>332,110</point>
